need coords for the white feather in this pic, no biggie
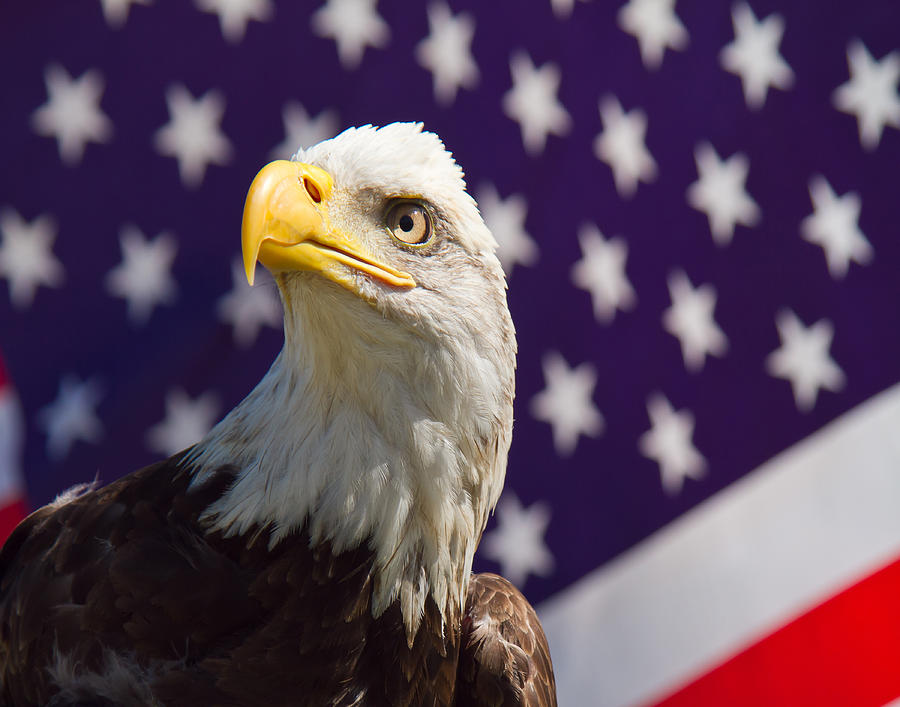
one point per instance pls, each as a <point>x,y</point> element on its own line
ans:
<point>386,418</point>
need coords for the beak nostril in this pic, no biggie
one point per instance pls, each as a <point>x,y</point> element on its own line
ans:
<point>312,190</point>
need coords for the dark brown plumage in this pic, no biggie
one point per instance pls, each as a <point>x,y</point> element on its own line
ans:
<point>208,620</point>
<point>504,658</point>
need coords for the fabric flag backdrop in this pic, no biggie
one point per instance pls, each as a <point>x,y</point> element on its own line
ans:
<point>696,205</point>
<point>12,484</point>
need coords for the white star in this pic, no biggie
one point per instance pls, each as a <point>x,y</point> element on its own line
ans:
<point>753,55</point>
<point>144,276</point>
<point>247,308</point>
<point>563,8</point>
<point>72,112</point>
<point>517,542</point>
<point>25,256</point>
<point>353,24</point>
<point>871,93</point>
<point>185,423</point>
<point>447,52</point>
<point>656,27</point>
<point>532,102</point>
<point>668,443</point>
<point>566,402</point>
<point>235,14</point>
<point>71,416</point>
<point>621,146</point>
<point>192,135</point>
<point>720,192</point>
<point>690,318</point>
<point>601,271</point>
<point>803,359</point>
<point>834,225</point>
<point>302,131</point>
<point>505,218</point>
<point>116,11</point>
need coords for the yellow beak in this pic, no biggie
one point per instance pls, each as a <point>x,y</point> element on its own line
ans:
<point>286,227</point>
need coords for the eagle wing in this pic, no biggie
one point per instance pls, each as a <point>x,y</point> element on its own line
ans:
<point>504,658</point>
<point>93,577</point>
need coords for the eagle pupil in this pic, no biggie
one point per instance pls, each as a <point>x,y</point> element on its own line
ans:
<point>406,223</point>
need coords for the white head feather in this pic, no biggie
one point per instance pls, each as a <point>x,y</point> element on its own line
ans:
<point>386,419</point>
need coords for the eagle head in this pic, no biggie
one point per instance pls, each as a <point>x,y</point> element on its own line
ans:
<point>386,419</point>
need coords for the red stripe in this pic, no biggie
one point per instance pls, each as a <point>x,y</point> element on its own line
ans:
<point>4,378</point>
<point>10,515</point>
<point>844,652</point>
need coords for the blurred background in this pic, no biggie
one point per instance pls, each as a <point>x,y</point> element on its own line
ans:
<point>696,208</point>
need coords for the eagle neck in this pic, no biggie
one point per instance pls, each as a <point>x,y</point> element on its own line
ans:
<point>356,454</point>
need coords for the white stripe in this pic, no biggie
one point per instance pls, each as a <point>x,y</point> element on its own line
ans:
<point>805,524</point>
<point>11,436</point>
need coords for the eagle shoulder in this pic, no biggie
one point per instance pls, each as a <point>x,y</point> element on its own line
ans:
<point>504,658</point>
<point>100,574</point>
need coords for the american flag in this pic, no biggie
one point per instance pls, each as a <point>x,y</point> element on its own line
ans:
<point>696,206</point>
<point>12,482</point>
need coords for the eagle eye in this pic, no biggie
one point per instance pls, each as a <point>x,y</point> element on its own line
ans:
<point>409,222</point>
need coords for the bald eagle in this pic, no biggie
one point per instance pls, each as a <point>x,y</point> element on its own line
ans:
<point>315,548</point>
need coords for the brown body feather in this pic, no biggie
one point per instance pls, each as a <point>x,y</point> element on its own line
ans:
<point>504,658</point>
<point>120,596</point>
